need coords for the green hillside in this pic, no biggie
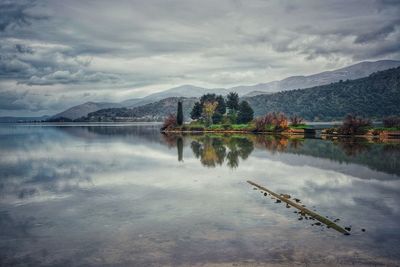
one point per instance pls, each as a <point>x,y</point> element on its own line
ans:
<point>375,96</point>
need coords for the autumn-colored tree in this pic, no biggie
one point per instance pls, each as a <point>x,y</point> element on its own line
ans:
<point>169,122</point>
<point>278,120</point>
<point>208,111</point>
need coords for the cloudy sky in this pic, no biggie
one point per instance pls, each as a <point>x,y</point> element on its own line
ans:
<point>58,53</point>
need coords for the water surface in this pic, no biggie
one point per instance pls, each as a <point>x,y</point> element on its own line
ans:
<point>126,195</point>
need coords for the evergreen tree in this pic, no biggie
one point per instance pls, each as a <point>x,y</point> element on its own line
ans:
<point>207,98</point>
<point>245,113</point>
<point>196,111</point>
<point>217,117</point>
<point>221,109</point>
<point>179,115</point>
<point>232,101</point>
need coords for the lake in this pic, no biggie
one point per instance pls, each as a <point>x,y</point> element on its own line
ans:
<point>126,195</point>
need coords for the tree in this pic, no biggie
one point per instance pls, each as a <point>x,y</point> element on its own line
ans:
<point>232,116</point>
<point>217,117</point>
<point>245,113</point>
<point>179,145</point>
<point>196,111</point>
<point>208,98</point>
<point>232,101</point>
<point>208,111</point>
<point>179,115</point>
<point>221,109</point>
<point>169,122</point>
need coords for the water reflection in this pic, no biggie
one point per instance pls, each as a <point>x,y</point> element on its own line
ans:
<point>213,150</point>
<point>130,196</point>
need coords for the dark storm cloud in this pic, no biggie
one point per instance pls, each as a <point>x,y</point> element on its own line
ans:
<point>122,47</point>
<point>16,14</point>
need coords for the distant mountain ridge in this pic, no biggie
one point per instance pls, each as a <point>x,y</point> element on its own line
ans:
<point>375,96</point>
<point>84,109</point>
<point>355,71</point>
<point>155,111</point>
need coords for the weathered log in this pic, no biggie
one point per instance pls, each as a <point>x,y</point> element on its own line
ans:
<point>304,210</point>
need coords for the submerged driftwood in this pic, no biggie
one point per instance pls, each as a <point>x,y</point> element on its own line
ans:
<point>303,210</point>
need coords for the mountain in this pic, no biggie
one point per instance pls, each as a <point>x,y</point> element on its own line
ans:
<point>155,111</point>
<point>356,71</point>
<point>83,109</point>
<point>352,72</point>
<point>375,96</point>
<point>10,119</point>
<point>186,91</point>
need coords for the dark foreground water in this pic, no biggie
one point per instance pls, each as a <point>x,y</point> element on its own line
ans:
<point>129,196</point>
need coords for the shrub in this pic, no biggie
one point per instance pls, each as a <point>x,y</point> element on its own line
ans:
<point>296,120</point>
<point>261,123</point>
<point>226,126</point>
<point>240,126</point>
<point>391,122</point>
<point>215,127</point>
<point>271,121</point>
<point>169,122</point>
<point>354,125</point>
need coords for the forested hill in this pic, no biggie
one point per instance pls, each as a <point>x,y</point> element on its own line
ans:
<point>375,96</point>
<point>156,111</point>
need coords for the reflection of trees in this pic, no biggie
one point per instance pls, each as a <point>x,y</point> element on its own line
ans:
<point>278,143</point>
<point>238,147</point>
<point>353,147</point>
<point>273,143</point>
<point>170,139</point>
<point>179,145</point>
<point>212,151</point>
<point>216,149</point>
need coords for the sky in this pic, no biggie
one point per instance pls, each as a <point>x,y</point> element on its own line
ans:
<point>59,53</point>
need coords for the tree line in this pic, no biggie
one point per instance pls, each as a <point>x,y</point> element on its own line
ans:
<point>214,109</point>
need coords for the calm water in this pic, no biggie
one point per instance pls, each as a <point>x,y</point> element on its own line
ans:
<point>129,196</point>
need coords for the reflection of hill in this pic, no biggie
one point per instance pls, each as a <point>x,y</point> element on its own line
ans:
<point>379,157</point>
<point>126,132</point>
